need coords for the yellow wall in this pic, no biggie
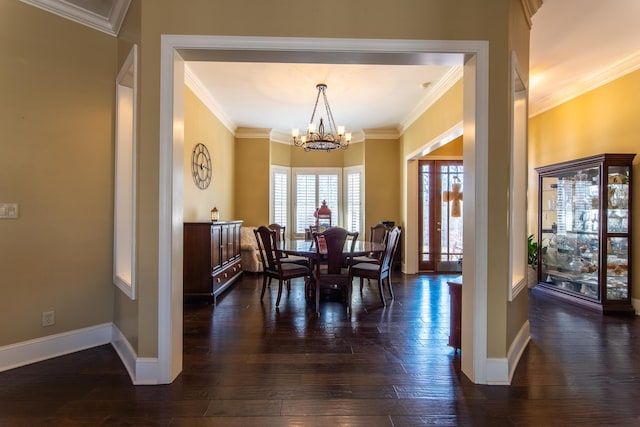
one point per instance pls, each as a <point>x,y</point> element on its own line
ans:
<point>382,181</point>
<point>280,154</point>
<point>316,159</point>
<point>56,162</point>
<point>354,155</point>
<point>201,126</point>
<point>604,120</point>
<point>453,149</point>
<point>252,178</point>
<point>445,113</point>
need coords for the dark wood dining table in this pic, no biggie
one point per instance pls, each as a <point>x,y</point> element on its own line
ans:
<point>307,248</point>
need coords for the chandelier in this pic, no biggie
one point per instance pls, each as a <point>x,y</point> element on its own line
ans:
<point>318,137</point>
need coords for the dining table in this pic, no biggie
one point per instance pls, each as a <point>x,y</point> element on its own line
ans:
<point>307,248</point>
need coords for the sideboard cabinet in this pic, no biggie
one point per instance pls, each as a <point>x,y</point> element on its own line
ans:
<point>584,234</point>
<point>211,257</point>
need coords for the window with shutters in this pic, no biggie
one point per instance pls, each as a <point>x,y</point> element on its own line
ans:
<point>280,177</point>
<point>309,187</point>
<point>353,215</point>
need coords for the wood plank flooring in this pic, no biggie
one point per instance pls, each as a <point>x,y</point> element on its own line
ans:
<point>247,363</point>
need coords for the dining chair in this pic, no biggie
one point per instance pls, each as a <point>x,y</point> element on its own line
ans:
<point>281,231</point>
<point>273,267</point>
<point>381,269</point>
<point>377,234</point>
<point>332,265</point>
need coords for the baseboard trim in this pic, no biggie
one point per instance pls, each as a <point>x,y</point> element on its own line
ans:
<point>500,370</point>
<point>142,370</point>
<point>39,349</point>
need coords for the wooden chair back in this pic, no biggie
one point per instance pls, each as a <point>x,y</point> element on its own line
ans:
<point>268,247</point>
<point>281,231</point>
<point>392,240</point>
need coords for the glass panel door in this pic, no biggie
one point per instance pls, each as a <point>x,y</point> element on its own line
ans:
<point>441,211</point>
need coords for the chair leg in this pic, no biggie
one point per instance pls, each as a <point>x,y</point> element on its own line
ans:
<point>361,283</point>
<point>317,292</point>
<point>264,285</point>
<point>381,289</point>
<point>279,292</point>
<point>348,291</point>
<point>390,286</point>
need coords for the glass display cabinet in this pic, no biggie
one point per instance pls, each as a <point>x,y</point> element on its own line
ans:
<point>584,231</point>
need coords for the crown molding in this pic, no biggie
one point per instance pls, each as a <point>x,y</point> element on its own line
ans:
<point>107,24</point>
<point>530,7</point>
<point>382,133</point>
<point>262,133</point>
<point>200,90</point>
<point>434,93</point>
<point>607,75</point>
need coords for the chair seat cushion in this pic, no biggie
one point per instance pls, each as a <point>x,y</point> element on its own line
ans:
<point>290,268</point>
<point>366,266</point>
<point>358,259</point>
<point>295,259</point>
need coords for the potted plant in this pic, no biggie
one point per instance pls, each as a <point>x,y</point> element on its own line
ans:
<point>532,261</point>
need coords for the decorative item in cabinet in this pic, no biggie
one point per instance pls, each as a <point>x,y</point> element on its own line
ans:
<point>584,231</point>
<point>211,257</point>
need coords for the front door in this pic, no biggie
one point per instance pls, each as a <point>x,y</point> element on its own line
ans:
<point>440,216</point>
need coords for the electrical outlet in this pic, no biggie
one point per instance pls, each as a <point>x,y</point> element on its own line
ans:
<point>48,318</point>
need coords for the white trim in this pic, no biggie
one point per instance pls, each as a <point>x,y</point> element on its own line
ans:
<point>125,351</point>
<point>353,170</point>
<point>381,133</point>
<point>257,133</point>
<point>518,346</point>
<point>500,370</point>
<point>497,371</point>
<point>443,139</point>
<point>38,349</point>
<point>476,79</point>
<point>107,24</point>
<point>558,97</point>
<point>141,370</point>
<point>200,90</point>
<point>635,302</point>
<point>170,212</point>
<point>517,180</point>
<point>125,178</point>
<point>286,170</point>
<point>476,172</point>
<point>434,93</point>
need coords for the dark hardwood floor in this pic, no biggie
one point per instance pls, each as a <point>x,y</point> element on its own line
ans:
<point>248,364</point>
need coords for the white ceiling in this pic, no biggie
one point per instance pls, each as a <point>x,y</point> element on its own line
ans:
<point>576,45</point>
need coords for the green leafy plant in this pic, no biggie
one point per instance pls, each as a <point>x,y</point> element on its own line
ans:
<point>532,251</point>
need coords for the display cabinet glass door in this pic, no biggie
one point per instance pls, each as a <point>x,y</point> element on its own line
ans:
<point>617,275</point>
<point>570,226</point>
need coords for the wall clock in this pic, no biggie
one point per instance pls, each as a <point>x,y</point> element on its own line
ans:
<point>201,166</point>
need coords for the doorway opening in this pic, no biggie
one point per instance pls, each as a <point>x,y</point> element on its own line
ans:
<point>440,218</point>
<point>474,57</point>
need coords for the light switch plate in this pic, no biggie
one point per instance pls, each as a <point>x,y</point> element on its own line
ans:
<point>8,210</point>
